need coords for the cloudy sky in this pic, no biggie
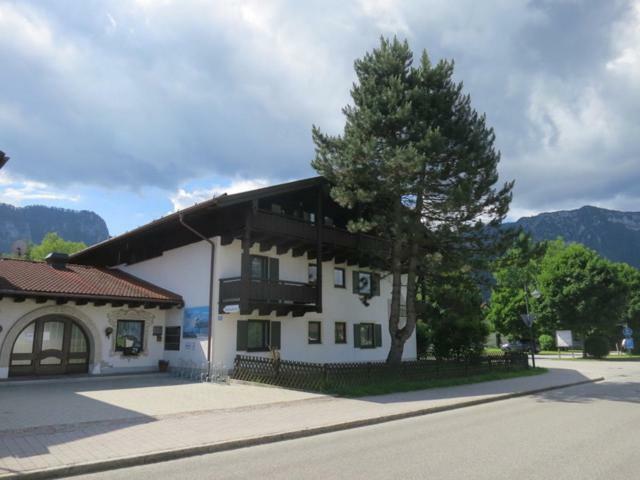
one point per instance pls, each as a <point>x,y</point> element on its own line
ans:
<point>134,108</point>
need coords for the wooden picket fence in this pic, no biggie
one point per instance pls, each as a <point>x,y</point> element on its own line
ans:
<point>327,376</point>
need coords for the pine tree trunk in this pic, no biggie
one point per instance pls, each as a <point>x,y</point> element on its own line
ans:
<point>395,351</point>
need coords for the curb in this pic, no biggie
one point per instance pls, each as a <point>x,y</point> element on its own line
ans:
<point>166,455</point>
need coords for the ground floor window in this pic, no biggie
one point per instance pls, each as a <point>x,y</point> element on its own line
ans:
<point>172,338</point>
<point>341,332</point>
<point>315,332</point>
<point>129,336</point>
<point>367,335</point>
<point>257,335</point>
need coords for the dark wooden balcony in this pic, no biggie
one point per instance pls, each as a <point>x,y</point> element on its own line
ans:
<point>289,232</point>
<point>267,296</point>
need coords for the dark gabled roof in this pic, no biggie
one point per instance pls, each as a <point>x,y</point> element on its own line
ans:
<point>215,203</point>
<point>29,279</point>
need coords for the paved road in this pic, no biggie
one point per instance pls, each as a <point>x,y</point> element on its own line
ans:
<point>587,432</point>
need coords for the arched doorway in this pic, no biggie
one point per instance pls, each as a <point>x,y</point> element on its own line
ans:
<point>50,345</point>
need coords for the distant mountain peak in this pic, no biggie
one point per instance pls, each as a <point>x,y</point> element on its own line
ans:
<point>613,234</point>
<point>33,222</point>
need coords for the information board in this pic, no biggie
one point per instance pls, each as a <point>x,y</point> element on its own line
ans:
<point>564,338</point>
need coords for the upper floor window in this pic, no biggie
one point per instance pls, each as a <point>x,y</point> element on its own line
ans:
<point>264,268</point>
<point>313,273</point>
<point>339,278</point>
<point>366,283</point>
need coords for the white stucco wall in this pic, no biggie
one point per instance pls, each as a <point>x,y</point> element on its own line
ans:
<point>185,271</point>
<point>339,305</point>
<point>104,360</point>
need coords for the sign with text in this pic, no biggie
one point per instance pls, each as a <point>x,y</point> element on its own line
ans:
<point>564,338</point>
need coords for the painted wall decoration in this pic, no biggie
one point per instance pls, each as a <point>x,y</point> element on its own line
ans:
<point>195,323</point>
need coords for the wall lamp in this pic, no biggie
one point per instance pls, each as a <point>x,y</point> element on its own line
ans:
<point>108,331</point>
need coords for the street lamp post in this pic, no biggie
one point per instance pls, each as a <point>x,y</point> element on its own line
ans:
<point>529,322</point>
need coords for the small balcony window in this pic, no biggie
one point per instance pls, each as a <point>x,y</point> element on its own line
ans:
<point>313,273</point>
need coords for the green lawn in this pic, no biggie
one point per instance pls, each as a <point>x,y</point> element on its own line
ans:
<point>492,350</point>
<point>407,386</point>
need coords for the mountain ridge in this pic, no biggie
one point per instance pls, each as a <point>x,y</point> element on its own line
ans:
<point>31,223</point>
<point>613,234</point>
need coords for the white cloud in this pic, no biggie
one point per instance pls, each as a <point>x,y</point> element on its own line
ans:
<point>626,39</point>
<point>184,198</point>
<point>22,192</point>
<point>160,93</point>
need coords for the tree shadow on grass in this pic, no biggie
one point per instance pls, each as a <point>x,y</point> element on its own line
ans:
<point>554,376</point>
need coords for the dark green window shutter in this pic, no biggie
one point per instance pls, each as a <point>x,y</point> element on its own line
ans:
<point>377,335</point>
<point>356,282</point>
<point>356,335</point>
<point>375,285</point>
<point>242,332</point>
<point>274,269</point>
<point>275,335</point>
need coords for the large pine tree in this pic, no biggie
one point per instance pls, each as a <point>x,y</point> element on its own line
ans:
<point>419,164</point>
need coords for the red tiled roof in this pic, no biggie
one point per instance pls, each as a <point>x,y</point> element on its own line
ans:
<point>33,279</point>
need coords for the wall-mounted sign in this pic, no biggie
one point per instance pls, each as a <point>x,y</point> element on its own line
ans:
<point>195,322</point>
<point>564,338</point>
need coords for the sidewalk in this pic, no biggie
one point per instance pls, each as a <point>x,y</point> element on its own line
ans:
<point>50,448</point>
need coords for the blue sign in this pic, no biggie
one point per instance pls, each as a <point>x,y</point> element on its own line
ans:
<point>627,332</point>
<point>628,344</point>
<point>195,323</point>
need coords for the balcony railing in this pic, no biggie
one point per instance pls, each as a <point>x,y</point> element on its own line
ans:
<point>306,231</point>
<point>267,291</point>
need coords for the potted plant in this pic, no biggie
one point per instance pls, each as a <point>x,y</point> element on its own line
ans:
<point>163,365</point>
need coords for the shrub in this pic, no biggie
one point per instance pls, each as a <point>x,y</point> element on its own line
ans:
<point>596,346</point>
<point>423,337</point>
<point>546,342</point>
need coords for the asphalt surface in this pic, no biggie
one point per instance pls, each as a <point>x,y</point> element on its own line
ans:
<point>585,432</point>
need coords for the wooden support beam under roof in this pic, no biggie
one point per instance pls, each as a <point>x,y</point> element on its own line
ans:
<point>285,246</point>
<point>267,244</point>
<point>227,239</point>
<point>299,251</point>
